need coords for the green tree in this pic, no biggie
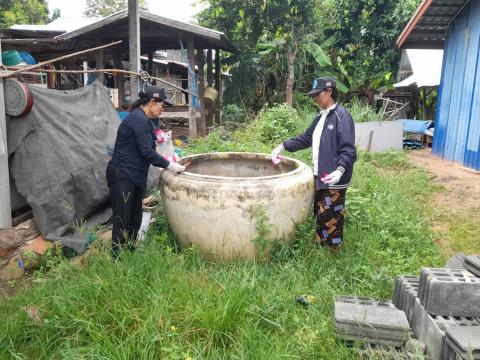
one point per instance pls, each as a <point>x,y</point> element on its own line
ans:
<point>269,36</point>
<point>108,7</point>
<point>290,21</point>
<point>23,12</point>
<point>367,31</point>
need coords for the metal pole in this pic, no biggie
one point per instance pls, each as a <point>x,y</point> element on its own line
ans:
<point>5,202</point>
<point>192,119</point>
<point>201,126</point>
<point>134,45</point>
<point>218,85</point>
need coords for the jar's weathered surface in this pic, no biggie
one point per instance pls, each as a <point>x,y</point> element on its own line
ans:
<point>212,204</point>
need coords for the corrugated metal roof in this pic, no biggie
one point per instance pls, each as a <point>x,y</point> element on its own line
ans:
<point>428,27</point>
<point>61,24</point>
<point>162,30</point>
<point>457,122</point>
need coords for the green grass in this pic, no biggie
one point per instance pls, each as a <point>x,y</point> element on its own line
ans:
<point>163,302</point>
<point>460,232</point>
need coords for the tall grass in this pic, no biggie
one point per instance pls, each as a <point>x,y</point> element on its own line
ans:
<point>164,302</point>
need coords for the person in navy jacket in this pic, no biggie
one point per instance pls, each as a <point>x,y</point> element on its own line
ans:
<point>332,139</point>
<point>127,171</point>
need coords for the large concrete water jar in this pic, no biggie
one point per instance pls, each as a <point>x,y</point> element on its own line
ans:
<point>217,204</point>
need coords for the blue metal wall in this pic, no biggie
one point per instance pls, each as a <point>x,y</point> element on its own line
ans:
<point>457,121</point>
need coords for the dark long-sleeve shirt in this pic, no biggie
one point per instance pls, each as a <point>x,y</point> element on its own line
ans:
<point>134,149</point>
<point>337,146</point>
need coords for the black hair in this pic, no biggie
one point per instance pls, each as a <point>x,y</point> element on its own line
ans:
<point>334,93</point>
<point>143,99</point>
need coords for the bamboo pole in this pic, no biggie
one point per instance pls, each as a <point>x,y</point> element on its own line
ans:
<point>108,71</point>
<point>28,68</point>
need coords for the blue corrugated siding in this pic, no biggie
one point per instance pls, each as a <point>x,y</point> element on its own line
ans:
<point>457,122</point>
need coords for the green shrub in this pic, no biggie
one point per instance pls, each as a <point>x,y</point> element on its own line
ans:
<point>278,123</point>
<point>233,114</point>
<point>303,101</point>
<point>362,112</point>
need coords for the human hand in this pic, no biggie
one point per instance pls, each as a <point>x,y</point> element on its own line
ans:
<point>332,178</point>
<point>277,151</point>
<point>175,168</point>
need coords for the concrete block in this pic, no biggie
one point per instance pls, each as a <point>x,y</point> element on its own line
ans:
<point>418,319</point>
<point>368,320</point>
<point>464,341</point>
<point>455,262</point>
<point>431,329</point>
<point>406,288</point>
<point>472,264</point>
<point>434,334</point>
<point>426,273</point>
<point>450,292</point>
<point>411,351</point>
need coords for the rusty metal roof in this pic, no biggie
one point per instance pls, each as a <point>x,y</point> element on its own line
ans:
<point>428,26</point>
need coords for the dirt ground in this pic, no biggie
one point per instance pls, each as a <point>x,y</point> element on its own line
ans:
<point>459,199</point>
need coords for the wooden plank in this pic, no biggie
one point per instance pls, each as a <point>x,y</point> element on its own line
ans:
<point>134,46</point>
<point>192,121</point>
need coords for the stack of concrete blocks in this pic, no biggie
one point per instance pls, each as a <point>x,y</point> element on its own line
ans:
<point>372,321</point>
<point>406,289</point>
<point>462,343</point>
<point>445,299</point>
<point>472,264</point>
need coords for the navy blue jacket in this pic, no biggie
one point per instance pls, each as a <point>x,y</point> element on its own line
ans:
<point>337,146</point>
<point>134,149</point>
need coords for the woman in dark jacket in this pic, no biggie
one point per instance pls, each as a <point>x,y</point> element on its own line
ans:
<point>332,138</point>
<point>127,171</point>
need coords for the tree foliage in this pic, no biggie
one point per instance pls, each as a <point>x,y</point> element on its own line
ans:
<point>367,31</point>
<point>108,7</point>
<point>23,12</point>
<point>279,41</point>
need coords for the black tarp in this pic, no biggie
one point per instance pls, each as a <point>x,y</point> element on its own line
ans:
<point>58,157</point>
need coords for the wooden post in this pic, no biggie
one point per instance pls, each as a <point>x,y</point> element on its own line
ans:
<point>201,85</point>
<point>99,65</point>
<point>5,202</point>
<point>119,79</point>
<point>209,68</point>
<point>134,46</point>
<point>218,85</point>
<point>192,120</point>
<point>85,74</point>
<point>150,63</point>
